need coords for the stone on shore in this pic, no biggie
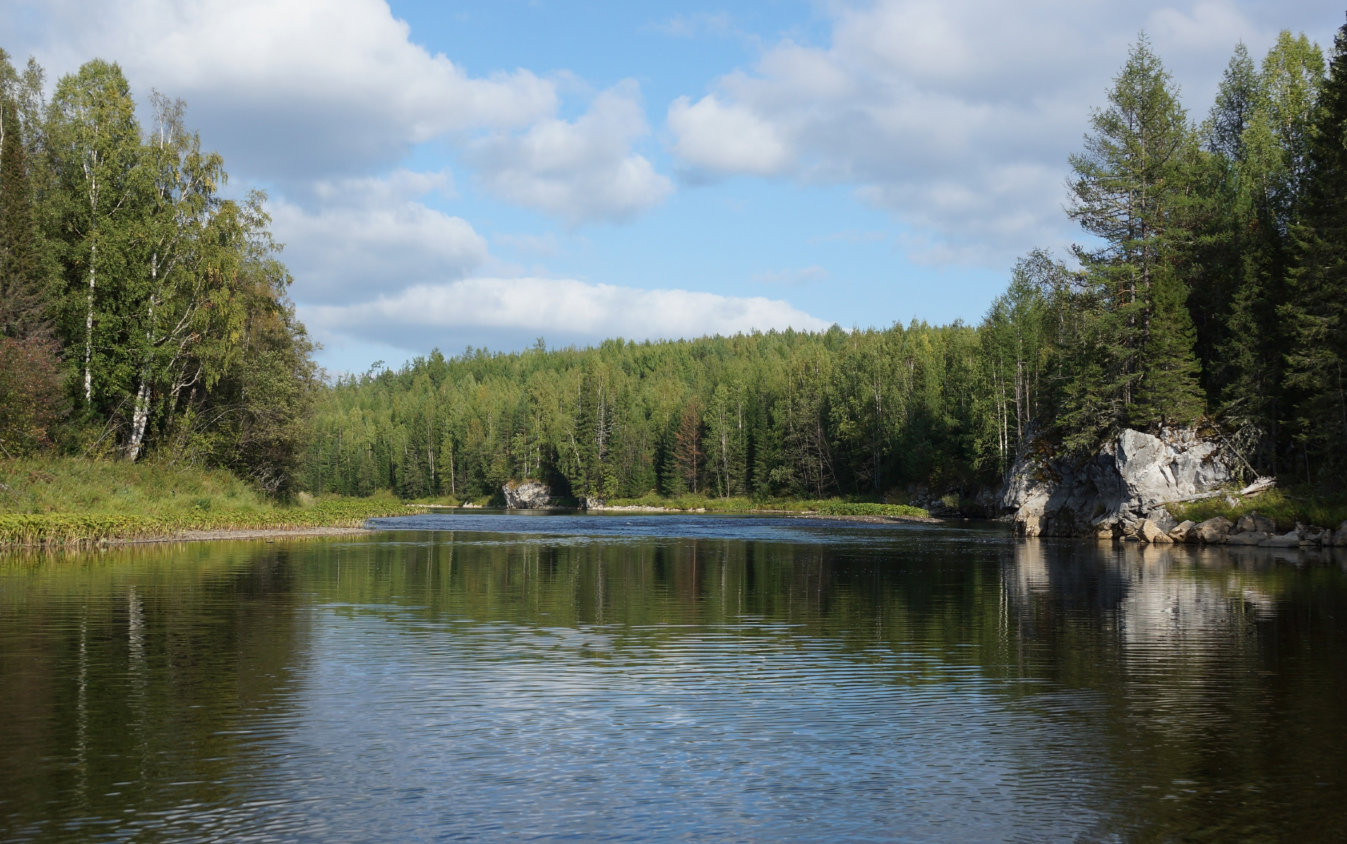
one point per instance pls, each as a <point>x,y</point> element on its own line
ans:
<point>1214,531</point>
<point>1254,523</point>
<point>1185,532</point>
<point>529,495</point>
<point>1287,540</point>
<point>1153,533</point>
<point>1249,537</point>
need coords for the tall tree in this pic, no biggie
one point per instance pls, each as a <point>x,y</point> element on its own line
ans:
<point>1127,190</point>
<point>1317,359</point>
<point>94,143</point>
<point>22,297</point>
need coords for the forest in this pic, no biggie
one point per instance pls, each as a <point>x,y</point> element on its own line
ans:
<point>141,311</point>
<point>144,314</point>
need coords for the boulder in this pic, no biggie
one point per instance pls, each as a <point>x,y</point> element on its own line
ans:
<point>1214,531</point>
<point>1163,519</point>
<point>1251,537</point>
<point>1185,532</point>
<point>1312,536</point>
<point>1254,523</point>
<point>1340,535</point>
<point>1286,540</point>
<point>1131,478</point>
<point>1152,532</point>
<point>529,495</point>
<point>594,503</point>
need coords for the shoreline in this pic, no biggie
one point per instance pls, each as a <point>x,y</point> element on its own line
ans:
<point>260,533</point>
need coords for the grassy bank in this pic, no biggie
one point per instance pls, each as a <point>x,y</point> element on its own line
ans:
<point>1286,507</point>
<point>825,507</point>
<point>67,501</point>
<point>736,504</point>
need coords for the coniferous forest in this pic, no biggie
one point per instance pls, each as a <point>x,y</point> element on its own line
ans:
<point>144,314</point>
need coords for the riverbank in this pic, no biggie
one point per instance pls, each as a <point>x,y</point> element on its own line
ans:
<point>738,505</point>
<point>71,502</point>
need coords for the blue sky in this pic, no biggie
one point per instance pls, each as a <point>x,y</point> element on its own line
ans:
<point>472,173</point>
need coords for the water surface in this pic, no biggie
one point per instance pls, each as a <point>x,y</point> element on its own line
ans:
<point>657,678</point>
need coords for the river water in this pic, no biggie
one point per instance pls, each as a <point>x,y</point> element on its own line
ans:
<point>661,678</point>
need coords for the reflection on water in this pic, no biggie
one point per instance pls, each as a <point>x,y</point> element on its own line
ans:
<point>655,678</point>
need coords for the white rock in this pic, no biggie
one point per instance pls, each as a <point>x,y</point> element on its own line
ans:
<point>530,495</point>
<point>1135,474</point>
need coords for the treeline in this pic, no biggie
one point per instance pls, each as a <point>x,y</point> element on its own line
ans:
<point>763,414</point>
<point>140,309</point>
<point>1212,290</point>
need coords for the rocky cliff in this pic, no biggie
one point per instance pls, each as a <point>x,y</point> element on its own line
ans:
<point>529,495</point>
<point>1117,490</point>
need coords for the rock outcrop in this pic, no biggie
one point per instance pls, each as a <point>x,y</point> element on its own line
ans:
<point>1116,491</point>
<point>529,495</point>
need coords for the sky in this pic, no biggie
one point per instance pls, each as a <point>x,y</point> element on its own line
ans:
<point>453,174</point>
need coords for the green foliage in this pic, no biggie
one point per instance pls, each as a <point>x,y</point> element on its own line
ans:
<point>66,500</point>
<point>1317,359</point>
<point>843,508</point>
<point>165,298</point>
<point>775,415</point>
<point>1129,191</point>
<point>1287,509</point>
<point>85,528</point>
<point>31,397</point>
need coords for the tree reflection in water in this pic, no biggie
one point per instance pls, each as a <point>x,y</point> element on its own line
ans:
<point>939,683</point>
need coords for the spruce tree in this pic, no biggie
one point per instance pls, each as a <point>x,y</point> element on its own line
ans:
<point>22,300</point>
<point>1316,315</point>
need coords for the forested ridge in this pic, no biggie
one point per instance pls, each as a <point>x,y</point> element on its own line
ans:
<point>1210,289</point>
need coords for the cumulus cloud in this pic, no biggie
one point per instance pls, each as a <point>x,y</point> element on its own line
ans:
<point>713,136</point>
<point>508,312</point>
<point>371,236</point>
<point>581,171</point>
<point>957,115</point>
<point>294,89</point>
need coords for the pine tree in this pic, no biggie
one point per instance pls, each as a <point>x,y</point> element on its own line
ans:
<point>1317,313</point>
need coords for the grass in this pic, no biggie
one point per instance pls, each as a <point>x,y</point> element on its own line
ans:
<point>64,501</point>
<point>739,504</point>
<point>1285,507</point>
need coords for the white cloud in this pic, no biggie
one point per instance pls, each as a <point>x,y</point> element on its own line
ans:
<point>582,170</point>
<point>373,236</point>
<point>956,115</point>
<point>713,136</point>
<point>508,311</point>
<point>292,89</point>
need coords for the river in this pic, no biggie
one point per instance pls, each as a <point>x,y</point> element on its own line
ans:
<point>493,677</point>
